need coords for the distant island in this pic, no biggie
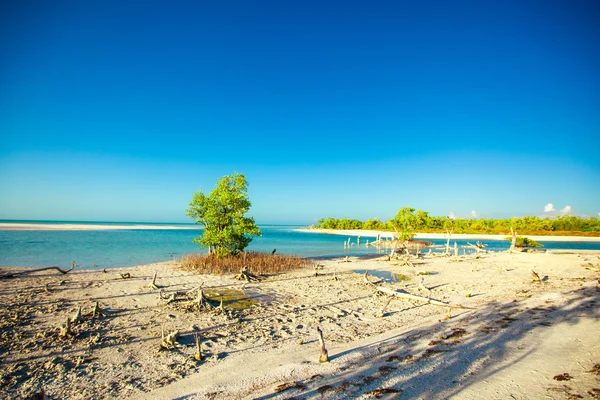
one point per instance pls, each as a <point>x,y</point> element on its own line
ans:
<point>421,221</point>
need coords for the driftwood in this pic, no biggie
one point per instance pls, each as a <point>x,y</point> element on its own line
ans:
<point>536,277</point>
<point>244,275</point>
<point>152,285</point>
<point>513,242</point>
<point>62,271</point>
<point>408,296</point>
<point>324,357</point>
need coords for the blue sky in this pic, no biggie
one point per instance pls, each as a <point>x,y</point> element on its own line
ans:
<point>121,110</point>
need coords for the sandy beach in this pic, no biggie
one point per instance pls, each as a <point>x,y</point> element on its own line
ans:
<point>18,226</point>
<point>385,234</point>
<point>518,337</point>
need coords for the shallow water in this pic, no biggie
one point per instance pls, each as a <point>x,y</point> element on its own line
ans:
<point>120,248</point>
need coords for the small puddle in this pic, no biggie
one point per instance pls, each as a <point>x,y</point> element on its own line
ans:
<point>385,275</point>
<point>232,298</point>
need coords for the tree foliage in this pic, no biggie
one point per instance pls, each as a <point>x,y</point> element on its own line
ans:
<point>227,230</point>
<point>525,242</point>
<point>405,222</point>
<point>421,221</point>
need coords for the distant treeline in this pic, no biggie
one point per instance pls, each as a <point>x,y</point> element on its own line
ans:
<point>421,221</point>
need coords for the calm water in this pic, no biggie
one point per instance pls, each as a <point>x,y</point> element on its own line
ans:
<point>121,248</point>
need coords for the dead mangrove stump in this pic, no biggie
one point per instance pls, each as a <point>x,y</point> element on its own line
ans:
<point>152,285</point>
<point>96,311</point>
<point>77,316</point>
<point>324,357</point>
<point>65,329</point>
<point>381,312</point>
<point>198,355</point>
<point>244,275</point>
<point>169,341</point>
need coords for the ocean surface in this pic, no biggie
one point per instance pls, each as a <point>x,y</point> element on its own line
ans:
<point>122,248</point>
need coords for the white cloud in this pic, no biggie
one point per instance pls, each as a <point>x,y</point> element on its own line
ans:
<point>451,215</point>
<point>549,207</point>
<point>566,210</point>
<point>474,214</point>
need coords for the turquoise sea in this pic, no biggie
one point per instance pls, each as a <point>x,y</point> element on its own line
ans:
<point>121,248</point>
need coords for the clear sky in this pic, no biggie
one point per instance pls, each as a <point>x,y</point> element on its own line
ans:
<point>120,110</point>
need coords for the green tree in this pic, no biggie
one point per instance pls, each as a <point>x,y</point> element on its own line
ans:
<point>404,223</point>
<point>227,230</point>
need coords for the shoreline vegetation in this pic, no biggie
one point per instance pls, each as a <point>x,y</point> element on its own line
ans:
<point>420,221</point>
<point>455,236</point>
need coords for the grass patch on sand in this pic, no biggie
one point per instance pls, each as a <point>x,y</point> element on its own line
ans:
<point>255,262</point>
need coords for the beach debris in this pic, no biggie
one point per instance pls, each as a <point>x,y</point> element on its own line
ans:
<point>468,294</point>
<point>377,393</point>
<point>448,313</point>
<point>324,357</point>
<point>595,370</point>
<point>77,316</point>
<point>65,329</point>
<point>170,340</point>
<point>422,285</point>
<point>513,242</point>
<point>536,277</point>
<point>152,285</point>
<point>198,355</point>
<point>563,377</point>
<point>96,311</point>
<point>289,385</point>
<point>244,275</point>
<point>370,282</point>
<point>31,271</point>
<point>126,275</point>
<point>381,312</point>
<point>408,296</point>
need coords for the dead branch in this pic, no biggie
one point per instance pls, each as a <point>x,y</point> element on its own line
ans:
<point>126,275</point>
<point>324,357</point>
<point>408,296</point>
<point>369,282</point>
<point>16,274</point>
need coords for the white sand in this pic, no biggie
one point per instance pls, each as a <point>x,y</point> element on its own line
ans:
<point>17,226</point>
<point>385,234</point>
<point>520,335</point>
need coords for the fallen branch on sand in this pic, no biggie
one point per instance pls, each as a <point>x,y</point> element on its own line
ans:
<point>408,296</point>
<point>62,271</point>
<point>169,341</point>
